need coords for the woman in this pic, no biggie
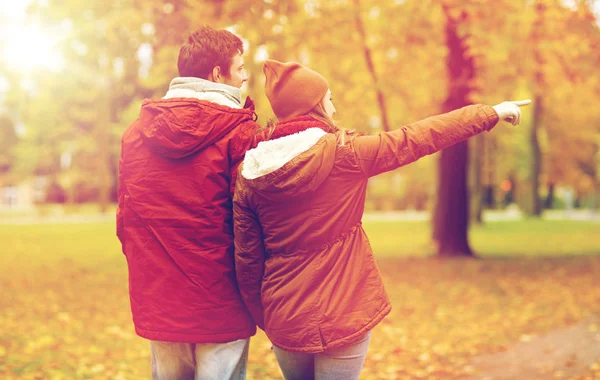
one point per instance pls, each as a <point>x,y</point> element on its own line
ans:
<point>304,265</point>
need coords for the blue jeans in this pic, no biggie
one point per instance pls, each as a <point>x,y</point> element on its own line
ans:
<point>201,361</point>
<point>334,364</point>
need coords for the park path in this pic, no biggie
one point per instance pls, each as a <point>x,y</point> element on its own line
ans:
<point>559,354</point>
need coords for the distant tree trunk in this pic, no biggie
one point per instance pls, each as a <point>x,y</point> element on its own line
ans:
<point>105,173</point>
<point>511,196</point>
<point>71,191</point>
<point>596,205</point>
<point>549,202</point>
<point>107,114</point>
<point>536,159</point>
<point>360,27</point>
<point>539,84</point>
<point>451,214</point>
<point>478,196</point>
<point>490,197</point>
<point>577,203</point>
<point>596,177</point>
<point>490,171</point>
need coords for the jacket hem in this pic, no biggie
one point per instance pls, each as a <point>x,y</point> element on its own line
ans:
<point>339,342</point>
<point>194,338</point>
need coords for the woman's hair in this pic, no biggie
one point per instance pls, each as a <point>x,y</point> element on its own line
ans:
<point>318,112</point>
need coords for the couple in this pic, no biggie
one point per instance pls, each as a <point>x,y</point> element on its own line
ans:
<point>216,246</point>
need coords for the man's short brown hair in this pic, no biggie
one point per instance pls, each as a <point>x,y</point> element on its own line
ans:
<point>207,48</point>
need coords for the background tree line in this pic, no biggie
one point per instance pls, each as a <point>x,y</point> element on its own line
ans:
<point>388,63</point>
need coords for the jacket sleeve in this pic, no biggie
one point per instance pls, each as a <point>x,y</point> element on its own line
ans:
<point>391,150</point>
<point>238,146</point>
<point>249,256</point>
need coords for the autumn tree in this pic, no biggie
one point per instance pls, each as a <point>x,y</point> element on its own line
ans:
<point>8,143</point>
<point>388,64</point>
<point>77,115</point>
<point>451,216</point>
<point>571,146</point>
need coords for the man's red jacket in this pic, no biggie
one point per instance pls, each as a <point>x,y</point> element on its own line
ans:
<point>177,171</point>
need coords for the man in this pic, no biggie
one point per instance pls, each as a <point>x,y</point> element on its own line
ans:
<point>177,171</point>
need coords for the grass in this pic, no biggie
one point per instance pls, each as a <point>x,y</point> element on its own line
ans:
<point>64,307</point>
<point>525,238</point>
<point>57,210</point>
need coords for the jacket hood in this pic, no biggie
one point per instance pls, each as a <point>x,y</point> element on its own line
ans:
<point>178,127</point>
<point>294,165</point>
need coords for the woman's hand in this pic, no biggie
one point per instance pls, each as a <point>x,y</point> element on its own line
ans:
<point>510,111</point>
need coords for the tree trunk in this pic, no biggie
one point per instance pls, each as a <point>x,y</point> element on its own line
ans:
<point>104,173</point>
<point>478,196</point>
<point>596,193</point>
<point>577,203</point>
<point>596,177</point>
<point>536,159</point>
<point>511,195</point>
<point>451,214</point>
<point>71,191</point>
<point>490,152</point>
<point>451,217</point>
<point>596,205</point>
<point>360,27</point>
<point>539,85</point>
<point>107,114</point>
<point>549,203</point>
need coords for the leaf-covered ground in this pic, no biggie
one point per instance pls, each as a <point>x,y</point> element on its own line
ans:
<point>64,308</point>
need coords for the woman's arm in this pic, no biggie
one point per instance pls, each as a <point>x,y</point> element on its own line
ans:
<point>242,141</point>
<point>390,150</point>
<point>249,255</point>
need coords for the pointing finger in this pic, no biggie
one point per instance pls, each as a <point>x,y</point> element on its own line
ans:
<point>521,103</point>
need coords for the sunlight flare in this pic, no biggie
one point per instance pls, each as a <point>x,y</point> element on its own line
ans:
<point>29,48</point>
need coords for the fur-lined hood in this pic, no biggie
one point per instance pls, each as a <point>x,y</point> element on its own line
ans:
<point>292,165</point>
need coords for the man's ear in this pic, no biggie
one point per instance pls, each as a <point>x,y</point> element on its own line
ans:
<point>216,74</point>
